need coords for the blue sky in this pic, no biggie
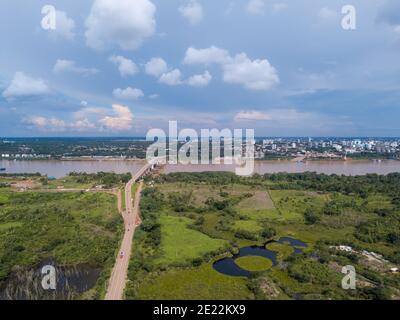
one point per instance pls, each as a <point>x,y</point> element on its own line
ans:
<point>121,67</point>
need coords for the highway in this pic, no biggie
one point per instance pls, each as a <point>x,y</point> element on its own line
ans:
<point>131,221</point>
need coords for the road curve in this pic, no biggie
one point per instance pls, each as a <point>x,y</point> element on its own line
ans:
<point>131,220</point>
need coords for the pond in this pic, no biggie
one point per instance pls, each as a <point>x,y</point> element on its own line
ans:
<point>228,266</point>
<point>24,284</point>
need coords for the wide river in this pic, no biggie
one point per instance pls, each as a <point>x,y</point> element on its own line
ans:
<point>60,169</point>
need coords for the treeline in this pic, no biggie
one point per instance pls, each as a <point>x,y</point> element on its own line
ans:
<point>214,178</point>
<point>361,185</point>
<point>105,178</point>
<point>20,175</point>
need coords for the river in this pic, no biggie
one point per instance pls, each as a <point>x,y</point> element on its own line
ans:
<point>60,169</point>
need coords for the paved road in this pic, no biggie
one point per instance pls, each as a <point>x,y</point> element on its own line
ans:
<point>132,220</point>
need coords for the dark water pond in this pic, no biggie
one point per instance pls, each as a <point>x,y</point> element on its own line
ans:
<point>228,266</point>
<point>71,281</point>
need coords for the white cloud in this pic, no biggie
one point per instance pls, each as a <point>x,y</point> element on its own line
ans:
<point>86,112</point>
<point>193,12</point>
<point>65,26</point>
<point>200,80</point>
<point>206,56</point>
<point>84,103</point>
<point>128,93</point>
<point>327,14</point>
<point>122,121</point>
<point>397,29</point>
<point>275,115</point>
<point>24,85</point>
<point>256,74</point>
<point>154,96</point>
<point>253,75</point>
<point>156,67</point>
<point>57,125</point>
<point>125,23</point>
<point>252,116</point>
<point>62,66</point>
<point>126,67</point>
<point>277,7</point>
<point>255,7</point>
<point>172,78</point>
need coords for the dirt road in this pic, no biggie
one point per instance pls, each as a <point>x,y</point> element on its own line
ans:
<point>131,219</point>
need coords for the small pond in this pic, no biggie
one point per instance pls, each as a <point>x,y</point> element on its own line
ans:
<point>228,266</point>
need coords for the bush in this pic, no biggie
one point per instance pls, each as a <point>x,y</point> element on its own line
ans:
<point>311,217</point>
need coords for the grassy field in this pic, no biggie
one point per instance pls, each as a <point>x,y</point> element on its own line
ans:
<point>194,283</point>
<point>181,244</point>
<point>254,263</point>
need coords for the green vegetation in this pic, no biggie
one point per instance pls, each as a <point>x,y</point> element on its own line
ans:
<point>284,250</point>
<point>193,283</point>
<point>180,244</point>
<point>109,180</point>
<point>190,220</point>
<point>254,263</point>
<point>74,228</point>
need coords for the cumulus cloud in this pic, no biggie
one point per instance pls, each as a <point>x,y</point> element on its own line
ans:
<point>156,67</point>
<point>65,26</point>
<point>193,12</point>
<point>128,93</point>
<point>254,75</point>
<point>172,78</point>
<point>122,121</point>
<point>69,66</point>
<point>87,119</point>
<point>200,80</point>
<point>124,23</point>
<point>206,56</point>
<point>255,7</point>
<point>57,125</point>
<point>24,85</point>
<point>126,67</point>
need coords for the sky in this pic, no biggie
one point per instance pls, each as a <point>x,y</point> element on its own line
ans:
<point>123,67</point>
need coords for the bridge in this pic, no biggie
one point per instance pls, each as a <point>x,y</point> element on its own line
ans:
<point>148,168</point>
<point>132,220</point>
